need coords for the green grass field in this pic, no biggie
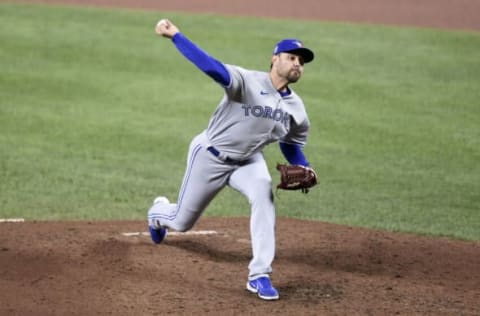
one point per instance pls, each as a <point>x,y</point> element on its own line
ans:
<point>96,114</point>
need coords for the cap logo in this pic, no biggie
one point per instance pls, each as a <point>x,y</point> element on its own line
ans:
<point>298,43</point>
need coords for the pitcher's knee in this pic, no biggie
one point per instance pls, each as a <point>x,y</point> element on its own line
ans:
<point>262,190</point>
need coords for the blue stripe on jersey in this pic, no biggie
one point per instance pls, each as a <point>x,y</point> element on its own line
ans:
<point>173,216</point>
<point>294,154</point>
<point>186,182</point>
<point>206,63</point>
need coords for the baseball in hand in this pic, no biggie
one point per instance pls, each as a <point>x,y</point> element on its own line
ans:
<point>161,22</point>
<point>166,28</point>
<point>161,27</point>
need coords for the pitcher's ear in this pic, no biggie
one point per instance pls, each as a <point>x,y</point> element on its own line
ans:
<point>274,59</point>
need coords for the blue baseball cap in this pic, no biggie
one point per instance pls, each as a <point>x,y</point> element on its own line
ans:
<point>294,46</point>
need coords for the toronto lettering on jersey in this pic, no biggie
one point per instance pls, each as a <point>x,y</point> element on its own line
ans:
<point>267,112</point>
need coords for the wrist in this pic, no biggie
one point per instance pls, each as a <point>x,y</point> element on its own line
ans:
<point>175,36</point>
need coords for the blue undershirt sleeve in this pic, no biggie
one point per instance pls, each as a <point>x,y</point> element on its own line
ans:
<point>206,63</point>
<point>294,154</point>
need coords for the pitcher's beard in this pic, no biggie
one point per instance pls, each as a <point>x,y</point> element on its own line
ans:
<point>293,76</point>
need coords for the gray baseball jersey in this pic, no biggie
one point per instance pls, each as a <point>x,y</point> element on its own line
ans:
<point>253,114</point>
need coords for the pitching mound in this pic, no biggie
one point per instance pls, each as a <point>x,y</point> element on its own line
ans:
<point>94,268</point>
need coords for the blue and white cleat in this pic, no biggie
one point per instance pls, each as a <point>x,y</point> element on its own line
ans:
<point>263,288</point>
<point>157,232</point>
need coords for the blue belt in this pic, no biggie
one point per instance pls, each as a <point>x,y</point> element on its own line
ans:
<point>226,159</point>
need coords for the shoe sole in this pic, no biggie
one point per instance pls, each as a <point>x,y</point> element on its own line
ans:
<point>263,297</point>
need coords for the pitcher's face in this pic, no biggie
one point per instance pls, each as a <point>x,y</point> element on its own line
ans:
<point>288,66</point>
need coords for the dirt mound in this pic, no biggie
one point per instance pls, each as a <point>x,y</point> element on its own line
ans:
<point>82,268</point>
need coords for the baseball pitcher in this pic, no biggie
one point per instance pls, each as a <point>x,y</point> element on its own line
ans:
<point>257,108</point>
